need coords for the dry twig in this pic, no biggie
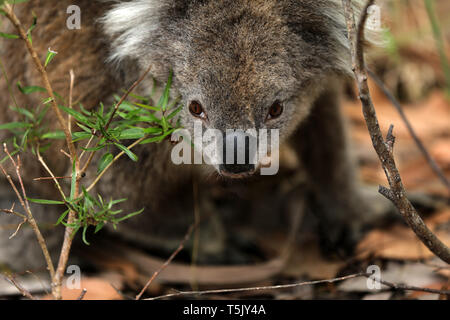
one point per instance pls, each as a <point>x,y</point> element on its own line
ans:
<point>22,290</point>
<point>26,206</point>
<point>168,261</point>
<point>300,284</point>
<point>384,148</point>
<point>434,166</point>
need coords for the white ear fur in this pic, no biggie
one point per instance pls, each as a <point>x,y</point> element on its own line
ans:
<point>340,34</point>
<point>129,25</point>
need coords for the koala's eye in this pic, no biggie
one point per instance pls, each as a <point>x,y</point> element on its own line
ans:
<point>196,109</point>
<point>275,110</point>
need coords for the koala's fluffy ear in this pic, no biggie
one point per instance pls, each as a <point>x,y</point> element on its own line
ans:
<point>132,25</point>
<point>321,24</point>
<point>335,12</point>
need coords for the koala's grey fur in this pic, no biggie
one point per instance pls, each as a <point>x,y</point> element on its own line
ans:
<point>234,56</point>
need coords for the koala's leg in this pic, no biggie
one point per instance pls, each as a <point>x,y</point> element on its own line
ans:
<point>335,194</point>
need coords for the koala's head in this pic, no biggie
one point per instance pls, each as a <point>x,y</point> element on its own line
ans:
<point>237,64</point>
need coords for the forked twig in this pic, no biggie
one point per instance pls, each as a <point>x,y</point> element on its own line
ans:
<point>434,166</point>
<point>384,148</point>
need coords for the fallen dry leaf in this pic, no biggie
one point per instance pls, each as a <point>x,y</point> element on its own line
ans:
<point>96,289</point>
<point>307,261</point>
<point>399,242</point>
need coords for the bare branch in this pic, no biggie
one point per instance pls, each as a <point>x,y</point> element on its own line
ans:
<point>22,290</point>
<point>384,149</point>
<point>44,164</point>
<point>24,202</point>
<point>264,288</point>
<point>434,166</point>
<point>168,261</point>
<point>82,294</point>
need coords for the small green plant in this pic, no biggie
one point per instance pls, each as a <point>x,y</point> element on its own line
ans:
<point>109,132</point>
<point>114,128</point>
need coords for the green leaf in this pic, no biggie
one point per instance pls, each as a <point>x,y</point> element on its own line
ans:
<point>165,124</point>
<point>127,151</point>
<point>23,111</point>
<point>106,159</point>
<point>54,135</point>
<point>47,100</point>
<point>99,227</point>
<point>101,146</point>
<point>133,133</point>
<point>153,130</point>
<point>128,216</point>
<point>147,107</point>
<point>84,235</point>
<point>158,138</point>
<point>14,125</point>
<point>9,35</point>
<point>45,201</point>
<point>164,100</point>
<point>50,55</point>
<point>73,181</point>
<point>77,115</point>
<point>61,217</point>
<point>174,113</point>
<point>30,89</point>
<point>33,25</point>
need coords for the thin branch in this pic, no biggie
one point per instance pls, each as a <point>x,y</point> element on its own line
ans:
<point>168,261</point>
<point>24,202</point>
<point>24,219</point>
<point>58,275</point>
<point>22,290</point>
<point>82,294</point>
<point>393,286</point>
<point>264,288</point>
<point>404,287</point>
<point>9,13</point>
<point>384,148</point>
<point>434,166</point>
<point>50,178</point>
<point>18,228</point>
<point>44,164</point>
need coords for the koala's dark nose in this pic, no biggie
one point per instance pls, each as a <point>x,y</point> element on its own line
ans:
<point>239,151</point>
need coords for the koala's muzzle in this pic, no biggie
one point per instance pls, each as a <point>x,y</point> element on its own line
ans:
<point>239,154</point>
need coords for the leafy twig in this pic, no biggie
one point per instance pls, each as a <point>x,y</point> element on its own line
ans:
<point>116,107</point>
<point>9,13</point>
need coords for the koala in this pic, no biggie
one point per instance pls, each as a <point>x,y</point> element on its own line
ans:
<point>237,64</point>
